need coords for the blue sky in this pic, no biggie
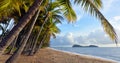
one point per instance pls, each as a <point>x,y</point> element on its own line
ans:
<point>87,30</point>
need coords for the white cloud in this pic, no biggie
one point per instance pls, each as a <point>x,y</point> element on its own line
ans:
<point>97,37</point>
<point>69,37</point>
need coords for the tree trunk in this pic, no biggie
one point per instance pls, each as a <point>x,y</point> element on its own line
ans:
<point>21,24</point>
<point>13,46</point>
<point>14,57</point>
<point>41,43</point>
<point>29,45</point>
<point>33,50</point>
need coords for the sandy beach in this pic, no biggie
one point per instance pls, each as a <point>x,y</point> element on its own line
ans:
<point>48,55</point>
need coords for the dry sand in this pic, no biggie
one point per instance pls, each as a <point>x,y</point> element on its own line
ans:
<point>48,55</point>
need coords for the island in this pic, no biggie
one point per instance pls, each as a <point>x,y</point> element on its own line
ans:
<point>92,46</point>
<point>76,45</point>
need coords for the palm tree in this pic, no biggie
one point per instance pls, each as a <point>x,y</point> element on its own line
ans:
<point>50,30</point>
<point>14,57</point>
<point>24,41</point>
<point>52,14</point>
<point>23,21</point>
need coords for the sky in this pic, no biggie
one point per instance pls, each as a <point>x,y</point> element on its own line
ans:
<point>87,30</point>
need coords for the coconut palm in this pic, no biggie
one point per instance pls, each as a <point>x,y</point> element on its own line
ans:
<point>20,49</point>
<point>51,31</point>
<point>53,14</point>
<point>14,57</point>
<point>9,43</point>
<point>21,24</point>
<point>14,33</point>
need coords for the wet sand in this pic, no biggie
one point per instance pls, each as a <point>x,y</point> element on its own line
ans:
<point>48,55</point>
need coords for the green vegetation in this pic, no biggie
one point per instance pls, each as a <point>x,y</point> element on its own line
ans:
<point>35,23</point>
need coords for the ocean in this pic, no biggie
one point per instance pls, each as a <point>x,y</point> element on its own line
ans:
<point>112,53</point>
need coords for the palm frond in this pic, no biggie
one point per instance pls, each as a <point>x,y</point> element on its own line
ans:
<point>7,7</point>
<point>89,6</point>
<point>97,3</point>
<point>55,5</point>
<point>68,12</point>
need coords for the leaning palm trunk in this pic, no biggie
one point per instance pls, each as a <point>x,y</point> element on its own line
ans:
<point>33,50</point>
<point>16,30</point>
<point>41,43</point>
<point>14,57</point>
<point>13,46</point>
<point>29,45</point>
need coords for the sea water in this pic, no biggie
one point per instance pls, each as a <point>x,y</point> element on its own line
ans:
<point>103,52</point>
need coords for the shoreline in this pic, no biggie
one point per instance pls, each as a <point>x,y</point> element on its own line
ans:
<point>51,55</point>
<point>86,56</point>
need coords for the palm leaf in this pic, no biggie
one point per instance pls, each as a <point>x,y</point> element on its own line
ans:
<point>97,3</point>
<point>68,12</point>
<point>91,7</point>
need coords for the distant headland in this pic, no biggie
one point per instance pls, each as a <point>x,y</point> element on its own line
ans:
<point>76,45</point>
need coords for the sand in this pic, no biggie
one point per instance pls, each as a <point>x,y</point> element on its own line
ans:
<point>48,55</point>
